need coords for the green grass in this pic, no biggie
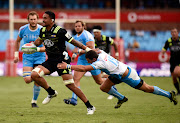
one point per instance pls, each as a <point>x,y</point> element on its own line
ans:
<point>15,98</point>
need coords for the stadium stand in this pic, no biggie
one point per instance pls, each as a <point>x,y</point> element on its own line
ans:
<point>147,43</point>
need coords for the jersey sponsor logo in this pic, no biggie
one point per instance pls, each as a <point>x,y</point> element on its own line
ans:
<point>68,35</point>
<point>175,48</point>
<point>48,43</point>
<point>105,59</point>
<point>53,36</point>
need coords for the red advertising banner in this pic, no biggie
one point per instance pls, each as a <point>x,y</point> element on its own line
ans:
<point>126,16</point>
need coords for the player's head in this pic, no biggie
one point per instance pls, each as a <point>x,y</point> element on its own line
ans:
<point>174,33</point>
<point>79,26</point>
<point>48,18</point>
<point>32,18</point>
<point>91,56</point>
<point>97,31</point>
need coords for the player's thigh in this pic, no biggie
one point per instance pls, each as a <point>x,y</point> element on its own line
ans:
<point>177,71</point>
<point>78,75</point>
<point>40,70</point>
<point>106,85</point>
<point>99,80</point>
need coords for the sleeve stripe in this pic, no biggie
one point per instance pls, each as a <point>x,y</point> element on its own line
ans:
<point>70,40</point>
<point>163,49</point>
<point>93,67</point>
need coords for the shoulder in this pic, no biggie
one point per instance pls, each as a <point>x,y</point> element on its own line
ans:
<point>39,26</point>
<point>88,35</point>
<point>22,28</point>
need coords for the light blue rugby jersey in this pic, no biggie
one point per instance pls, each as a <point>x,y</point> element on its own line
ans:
<point>29,36</point>
<point>84,38</point>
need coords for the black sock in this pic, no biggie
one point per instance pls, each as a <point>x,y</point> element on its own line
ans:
<point>177,86</point>
<point>88,105</point>
<point>50,91</point>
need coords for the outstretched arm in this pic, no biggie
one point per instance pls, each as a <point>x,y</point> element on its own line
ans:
<point>80,68</point>
<point>79,44</point>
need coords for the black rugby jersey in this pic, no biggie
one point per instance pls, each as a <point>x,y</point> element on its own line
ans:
<point>54,40</point>
<point>174,47</point>
<point>104,43</point>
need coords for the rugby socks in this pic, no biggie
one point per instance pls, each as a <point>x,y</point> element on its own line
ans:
<point>116,94</point>
<point>161,92</point>
<point>36,91</point>
<point>88,105</point>
<point>50,91</point>
<point>177,86</point>
<point>74,95</point>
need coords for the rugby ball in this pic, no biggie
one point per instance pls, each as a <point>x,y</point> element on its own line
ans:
<point>29,48</point>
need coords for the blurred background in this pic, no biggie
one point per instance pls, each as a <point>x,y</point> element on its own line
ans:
<point>144,26</point>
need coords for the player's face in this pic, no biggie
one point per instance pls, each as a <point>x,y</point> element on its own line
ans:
<point>174,33</point>
<point>91,61</point>
<point>97,35</point>
<point>78,27</point>
<point>46,20</point>
<point>33,20</point>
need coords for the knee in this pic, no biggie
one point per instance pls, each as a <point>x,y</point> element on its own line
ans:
<point>28,80</point>
<point>34,75</point>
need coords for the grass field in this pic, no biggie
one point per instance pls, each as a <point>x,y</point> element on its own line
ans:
<point>15,98</point>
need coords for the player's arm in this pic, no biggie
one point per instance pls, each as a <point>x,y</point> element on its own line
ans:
<point>80,68</point>
<point>38,42</point>
<point>164,49</point>
<point>114,44</point>
<point>17,45</point>
<point>79,44</point>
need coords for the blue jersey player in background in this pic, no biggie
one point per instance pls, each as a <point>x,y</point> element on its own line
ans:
<point>29,33</point>
<point>87,39</point>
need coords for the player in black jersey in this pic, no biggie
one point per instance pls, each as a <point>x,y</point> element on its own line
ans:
<point>54,38</point>
<point>104,42</point>
<point>173,44</point>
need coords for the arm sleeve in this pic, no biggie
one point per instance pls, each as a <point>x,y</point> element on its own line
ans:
<point>98,65</point>
<point>20,33</point>
<point>166,46</point>
<point>64,34</point>
<point>111,41</point>
<point>40,34</point>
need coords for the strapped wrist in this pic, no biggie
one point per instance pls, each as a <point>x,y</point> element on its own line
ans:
<point>79,50</point>
<point>68,66</point>
<point>116,54</point>
<point>16,54</point>
<point>38,49</point>
<point>87,49</point>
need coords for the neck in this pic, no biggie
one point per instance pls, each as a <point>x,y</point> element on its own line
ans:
<point>175,38</point>
<point>33,28</point>
<point>49,27</point>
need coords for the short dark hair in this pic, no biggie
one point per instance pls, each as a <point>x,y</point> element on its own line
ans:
<point>51,14</point>
<point>91,54</point>
<point>97,27</point>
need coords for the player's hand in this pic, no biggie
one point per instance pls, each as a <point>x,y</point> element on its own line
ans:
<point>62,65</point>
<point>117,57</point>
<point>16,59</point>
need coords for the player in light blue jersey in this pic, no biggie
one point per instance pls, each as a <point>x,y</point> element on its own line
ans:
<point>118,72</point>
<point>29,33</point>
<point>87,39</point>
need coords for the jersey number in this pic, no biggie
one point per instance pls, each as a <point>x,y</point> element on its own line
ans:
<point>66,57</point>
